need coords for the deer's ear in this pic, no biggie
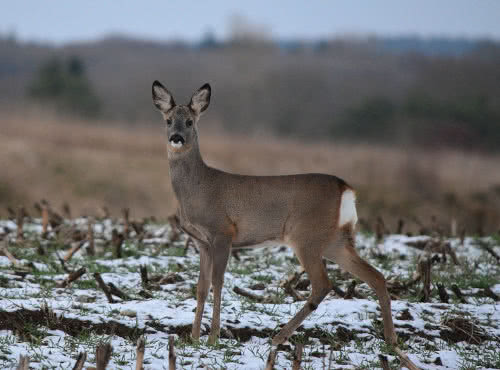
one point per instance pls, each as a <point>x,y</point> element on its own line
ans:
<point>162,98</point>
<point>201,99</point>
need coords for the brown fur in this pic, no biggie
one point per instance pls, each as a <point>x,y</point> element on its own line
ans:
<point>223,211</point>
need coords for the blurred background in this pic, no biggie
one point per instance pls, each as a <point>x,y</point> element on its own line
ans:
<point>400,98</point>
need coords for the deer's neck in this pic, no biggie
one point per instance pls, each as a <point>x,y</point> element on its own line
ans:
<point>187,171</point>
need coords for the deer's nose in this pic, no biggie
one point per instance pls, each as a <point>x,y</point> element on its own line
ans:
<point>176,138</point>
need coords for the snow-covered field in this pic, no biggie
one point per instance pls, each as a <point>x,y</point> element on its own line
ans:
<point>341,333</point>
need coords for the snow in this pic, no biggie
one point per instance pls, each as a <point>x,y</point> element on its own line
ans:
<point>173,307</point>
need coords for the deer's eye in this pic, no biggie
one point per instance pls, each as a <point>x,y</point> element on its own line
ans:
<point>169,122</point>
<point>189,123</point>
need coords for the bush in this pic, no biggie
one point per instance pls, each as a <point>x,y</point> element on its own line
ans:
<point>372,120</point>
<point>65,86</point>
<point>467,122</point>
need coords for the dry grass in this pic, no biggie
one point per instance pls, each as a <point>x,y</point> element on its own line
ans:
<point>90,165</point>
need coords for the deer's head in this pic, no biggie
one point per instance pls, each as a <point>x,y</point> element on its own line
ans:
<point>181,119</point>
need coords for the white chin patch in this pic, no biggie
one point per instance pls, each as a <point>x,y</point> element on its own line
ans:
<point>176,145</point>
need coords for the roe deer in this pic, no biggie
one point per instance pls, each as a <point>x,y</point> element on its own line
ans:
<point>314,214</point>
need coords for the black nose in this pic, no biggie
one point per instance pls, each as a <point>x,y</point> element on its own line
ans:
<point>176,138</point>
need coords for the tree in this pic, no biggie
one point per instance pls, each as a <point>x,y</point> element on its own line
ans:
<point>65,86</point>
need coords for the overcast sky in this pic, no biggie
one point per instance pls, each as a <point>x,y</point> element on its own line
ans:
<point>61,21</point>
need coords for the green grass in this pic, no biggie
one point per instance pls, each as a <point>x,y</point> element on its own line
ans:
<point>466,275</point>
<point>84,284</point>
<point>263,278</point>
<point>175,252</point>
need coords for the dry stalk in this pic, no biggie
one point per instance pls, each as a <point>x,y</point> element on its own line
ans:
<point>11,213</point>
<point>113,289</point>
<point>462,236</point>
<point>21,212</point>
<point>138,228</point>
<point>126,221</point>
<point>271,359</point>
<point>435,245</point>
<point>144,276</point>
<point>80,361</point>
<point>72,251</point>
<point>63,264</point>
<point>104,212</point>
<point>24,363</point>
<point>171,353</point>
<point>384,362</point>
<point>235,254</point>
<point>400,227</point>
<point>252,296</point>
<point>45,221</point>
<point>297,356</point>
<point>141,346</point>
<point>350,290</point>
<point>116,241</point>
<point>405,359</point>
<point>291,291</point>
<point>103,355</point>
<point>7,254</point>
<point>174,234</point>
<point>490,250</point>
<point>379,229</point>
<point>330,360</point>
<point>458,293</point>
<point>55,219</point>
<point>66,210</point>
<point>103,287</point>
<point>293,278</point>
<point>424,268</point>
<point>170,278</point>
<point>464,329</point>
<point>145,294</point>
<point>453,227</point>
<point>72,277</point>
<point>443,294</point>
<point>487,292</point>
<point>338,291</point>
<point>189,242</point>
<point>449,250</point>
<point>90,238</point>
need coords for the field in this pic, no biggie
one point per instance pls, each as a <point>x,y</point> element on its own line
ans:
<point>94,270</point>
<point>94,164</point>
<point>445,306</point>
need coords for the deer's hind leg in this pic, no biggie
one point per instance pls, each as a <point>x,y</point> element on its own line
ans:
<point>312,261</point>
<point>345,255</point>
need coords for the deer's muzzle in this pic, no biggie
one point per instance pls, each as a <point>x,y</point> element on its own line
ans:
<point>176,140</point>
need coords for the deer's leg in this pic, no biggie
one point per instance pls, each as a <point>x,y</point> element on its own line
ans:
<point>204,282</point>
<point>312,262</point>
<point>221,249</point>
<point>347,258</point>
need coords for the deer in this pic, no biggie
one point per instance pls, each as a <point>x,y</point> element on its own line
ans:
<point>314,214</point>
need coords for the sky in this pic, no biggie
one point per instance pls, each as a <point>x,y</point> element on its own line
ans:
<point>62,21</point>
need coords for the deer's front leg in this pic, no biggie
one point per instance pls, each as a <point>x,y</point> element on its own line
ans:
<point>204,282</point>
<point>221,249</point>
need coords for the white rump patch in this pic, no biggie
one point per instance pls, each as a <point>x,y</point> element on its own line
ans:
<point>347,212</point>
<point>176,145</point>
